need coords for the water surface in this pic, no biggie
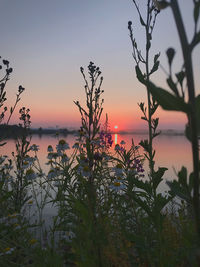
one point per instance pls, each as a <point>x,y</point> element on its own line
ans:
<point>172,151</point>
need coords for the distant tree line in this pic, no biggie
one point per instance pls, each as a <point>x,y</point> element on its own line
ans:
<point>14,131</point>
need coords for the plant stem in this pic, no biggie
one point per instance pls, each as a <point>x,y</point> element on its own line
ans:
<point>192,118</point>
<point>151,165</point>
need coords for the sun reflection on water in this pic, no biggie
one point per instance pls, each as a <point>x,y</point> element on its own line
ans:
<point>116,135</point>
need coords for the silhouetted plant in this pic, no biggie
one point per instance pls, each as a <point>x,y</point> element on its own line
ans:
<point>176,101</point>
<point>23,163</point>
<point>144,61</point>
<point>147,197</point>
<point>90,118</point>
<point>89,171</point>
<point>92,192</point>
<point>3,83</point>
<point>108,213</point>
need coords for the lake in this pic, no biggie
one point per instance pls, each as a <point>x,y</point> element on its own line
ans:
<point>172,151</point>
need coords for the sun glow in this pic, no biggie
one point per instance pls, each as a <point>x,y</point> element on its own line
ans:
<point>116,127</point>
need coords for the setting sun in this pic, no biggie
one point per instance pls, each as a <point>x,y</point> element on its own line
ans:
<point>116,127</point>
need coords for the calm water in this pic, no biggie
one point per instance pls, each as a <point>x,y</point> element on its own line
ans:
<point>171,151</point>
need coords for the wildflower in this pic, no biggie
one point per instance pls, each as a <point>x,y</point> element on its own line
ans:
<point>84,170</point>
<point>30,159</point>
<point>68,236</point>
<point>105,139</point>
<point>117,186</point>
<point>52,155</point>
<point>32,241</point>
<point>30,174</point>
<point>34,147</point>
<point>109,139</point>
<point>137,161</point>
<point>55,155</point>
<point>122,142</point>
<point>50,148</point>
<point>95,142</point>
<point>76,145</point>
<point>118,169</point>
<point>53,173</point>
<point>14,215</point>
<point>62,145</point>
<point>30,202</point>
<point>8,166</point>
<point>26,164</point>
<point>137,168</point>
<point>17,226</point>
<point>64,159</point>
<point>118,148</point>
<point>7,251</point>
<point>138,165</point>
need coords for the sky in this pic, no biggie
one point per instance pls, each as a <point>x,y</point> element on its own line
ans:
<point>47,41</point>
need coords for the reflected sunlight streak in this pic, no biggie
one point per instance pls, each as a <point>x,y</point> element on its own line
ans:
<point>115,139</point>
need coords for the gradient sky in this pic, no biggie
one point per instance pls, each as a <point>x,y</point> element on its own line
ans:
<point>46,42</point>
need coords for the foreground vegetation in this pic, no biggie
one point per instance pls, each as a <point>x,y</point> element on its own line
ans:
<point>109,210</point>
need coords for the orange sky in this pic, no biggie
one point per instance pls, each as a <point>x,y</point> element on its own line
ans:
<point>47,43</point>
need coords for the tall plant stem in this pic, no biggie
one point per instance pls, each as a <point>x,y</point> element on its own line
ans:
<point>187,55</point>
<point>151,165</point>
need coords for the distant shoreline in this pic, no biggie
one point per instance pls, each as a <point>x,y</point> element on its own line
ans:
<point>13,131</point>
<point>164,132</point>
<point>62,131</point>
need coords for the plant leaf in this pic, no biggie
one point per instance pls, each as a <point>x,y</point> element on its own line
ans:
<point>155,67</point>
<point>139,74</point>
<point>166,100</point>
<point>173,86</point>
